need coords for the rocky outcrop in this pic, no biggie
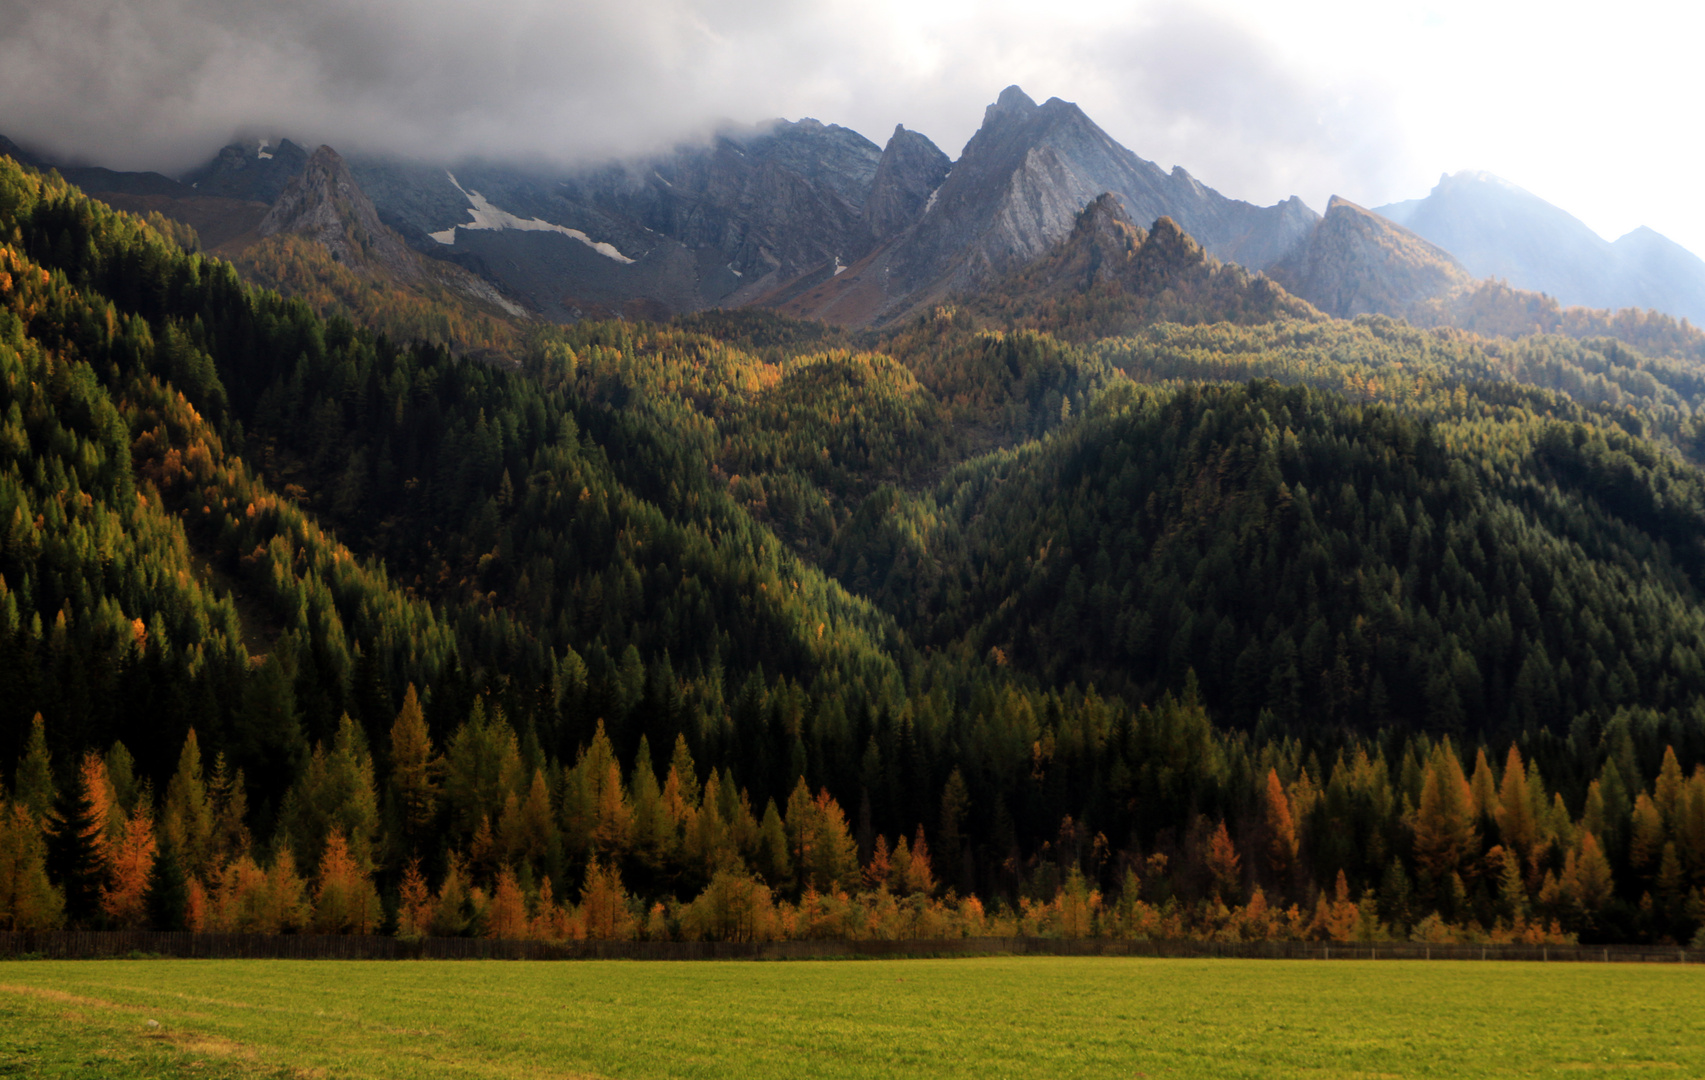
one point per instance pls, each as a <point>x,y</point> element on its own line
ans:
<point>911,170</point>
<point>324,203</point>
<point>712,223</point>
<point>1030,168</point>
<point>1358,263</point>
<point>1109,277</point>
<point>1016,192</point>
<point>255,171</point>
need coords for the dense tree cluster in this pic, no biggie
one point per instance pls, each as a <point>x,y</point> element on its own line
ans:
<point>738,628</point>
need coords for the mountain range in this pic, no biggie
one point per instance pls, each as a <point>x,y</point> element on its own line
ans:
<point>1496,229</point>
<point>813,220</point>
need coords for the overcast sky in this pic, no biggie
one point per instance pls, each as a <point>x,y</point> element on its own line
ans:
<point>1593,108</point>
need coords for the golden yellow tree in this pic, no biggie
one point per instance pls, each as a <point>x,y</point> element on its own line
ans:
<point>132,861</point>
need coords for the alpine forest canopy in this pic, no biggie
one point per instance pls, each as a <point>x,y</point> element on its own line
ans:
<point>1140,600</point>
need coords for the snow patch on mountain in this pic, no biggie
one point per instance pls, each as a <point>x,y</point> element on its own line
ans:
<point>488,217</point>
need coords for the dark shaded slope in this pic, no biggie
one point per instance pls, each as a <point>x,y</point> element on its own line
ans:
<point>1313,562</point>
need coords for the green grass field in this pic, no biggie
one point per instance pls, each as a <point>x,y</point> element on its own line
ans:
<point>1018,1017</point>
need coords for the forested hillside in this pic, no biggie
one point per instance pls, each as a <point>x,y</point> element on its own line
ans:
<point>1268,625</point>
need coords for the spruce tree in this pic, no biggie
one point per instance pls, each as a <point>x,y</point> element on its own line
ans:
<point>167,898</point>
<point>73,859</point>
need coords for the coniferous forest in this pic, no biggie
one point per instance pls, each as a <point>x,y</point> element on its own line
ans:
<point>1166,608</point>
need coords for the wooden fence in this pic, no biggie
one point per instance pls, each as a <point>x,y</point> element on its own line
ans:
<point>75,945</point>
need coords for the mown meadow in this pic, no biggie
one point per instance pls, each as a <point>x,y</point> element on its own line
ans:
<point>997,1017</point>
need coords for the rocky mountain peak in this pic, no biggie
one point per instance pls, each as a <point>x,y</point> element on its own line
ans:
<point>1168,252</point>
<point>911,170</point>
<point>1357,262</point>
<point>325,203</point>
<point>1103,243</point>
<point>1012,100</point>
<point>255,171</point>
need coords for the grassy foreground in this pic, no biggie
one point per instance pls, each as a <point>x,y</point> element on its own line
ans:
<point>1017,1017</point>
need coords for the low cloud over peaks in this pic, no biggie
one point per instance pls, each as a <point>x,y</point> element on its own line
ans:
<point>161,84</point>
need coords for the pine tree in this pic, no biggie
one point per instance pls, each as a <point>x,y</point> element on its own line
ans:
<point>413,769</point>
<point>187,816</point>
<point>166,900</point>
<point>1224,864</point>
<point>28,900</point>
<point>1445,837</point>
<point>121,775</point>
<point>75,836</point>
<point>604,904</point>
<point>1647,835</point>
<point>1516,825</point>
<point>1512,888</point>
<point>107,819</point>
<point>230,839</point>
<point>414,903</point>
<point>1592,874</point>
<point>125,898</point>
<point>287,907</point>
<point>651,824</point>
<point>1485,791</point>
<point>345,901</point>
<point>33,788</point>
<point>950,838</point>
<point>1281,830</point>
<point>918,876</point>
<point>880,869</point>
<point>506,915</point>
<point>613,833</point>
<point>772,860</point>
<point>450,914</point>
<point>1667,790</point>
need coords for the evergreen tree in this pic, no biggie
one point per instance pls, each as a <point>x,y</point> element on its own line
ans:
<point>33,788</point>
<point>74,840</point>
<point>166,900</point>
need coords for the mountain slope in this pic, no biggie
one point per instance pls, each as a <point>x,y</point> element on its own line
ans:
<point>1109,277</point>
<point>1496,229</point>
<point>911,170</point>
<point>702,225</point>
<point>323,241</point>
<point>1355,262</point>
<point>1014,193</point>
<point>615,659</point>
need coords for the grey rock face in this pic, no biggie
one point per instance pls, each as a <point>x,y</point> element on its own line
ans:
<point>911,170</point>
<point>706,224</point>
<point>253,172</point>
<point>325,203</point>
<point>1356,262</point>
<point>1017,189</point>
